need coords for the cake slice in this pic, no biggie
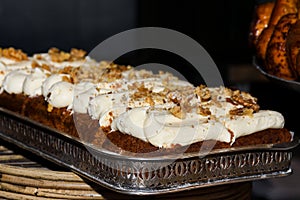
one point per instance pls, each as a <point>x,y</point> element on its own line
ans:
<point>125,110</point>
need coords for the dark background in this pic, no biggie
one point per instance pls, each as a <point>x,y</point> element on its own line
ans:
<point>220,26</point>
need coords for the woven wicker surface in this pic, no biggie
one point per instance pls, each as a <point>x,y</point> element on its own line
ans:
<point>24,176</point>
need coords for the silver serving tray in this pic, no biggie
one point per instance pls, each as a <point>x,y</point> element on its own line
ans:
<point>153,175</point>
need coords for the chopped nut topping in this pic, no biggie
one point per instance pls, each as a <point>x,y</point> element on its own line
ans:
<point>34,64</point>
<point>243,102</point>
<point>49,108</point>
<point>66,70</point>
<point>242,111</point>
<point>77,54</point>
<point>227,91</point>
<point>61,56</point>
<point>39,57</point>
<point>113,72</point>
<point>46,67</point>
<point>58,56</point>
<point>229,100</point>
<point>66,79</point>
<point>14,54</point>
<point>203,111</point>
<point>145,94</point>
<point>72,71</point>
<point>245,99</point>
<point>141,92</point>
<point>175,100</point>
<point>203,92</point>
<point>177,112</point>
<point>175,97</point>
<point>150,101</point>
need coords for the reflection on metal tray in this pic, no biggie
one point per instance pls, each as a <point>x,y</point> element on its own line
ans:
<point>295,85</point>
<point>132,175</point>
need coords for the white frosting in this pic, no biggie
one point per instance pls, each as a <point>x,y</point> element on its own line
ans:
<point>108,117</point>
<point>83,93</point>
<point>9,65</point>
<point>7,61</point>
<point>134,74</point>
<point>105,102</point>
<point>118,93</point>
<point>45,58</point>
<point>50,81</point>
<point>125,85</point>
<point>61,95</point>
<point>170,131</point>
<point>132,122</point>
<point>3,73</point>
<point>112,86</point>
<point>33,82</point>
<point>13,82</point>
<point>183,132</point>
<point>245,125</point>
<point>162,129</point>
<point>26,64</point>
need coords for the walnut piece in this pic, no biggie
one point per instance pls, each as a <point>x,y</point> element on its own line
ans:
<point>141,92</point>
<point>77,54</point>
<point>203,92</point>
<point>242,111</point>
<point>49,108</point>
<point>14,54</point>
<point>203,111</point>
<point>177,112</point>
<point>66,79</point>
<point>150,101</point>
<point>245,99</point>
<point>61,56</point>
<point>34,64</point>
<point>72,71</point>
<point>113,71</point>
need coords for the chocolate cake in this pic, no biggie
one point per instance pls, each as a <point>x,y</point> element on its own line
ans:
<point>125,110</point>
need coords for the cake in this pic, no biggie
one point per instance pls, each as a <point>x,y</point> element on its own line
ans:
<point>122,109</point>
